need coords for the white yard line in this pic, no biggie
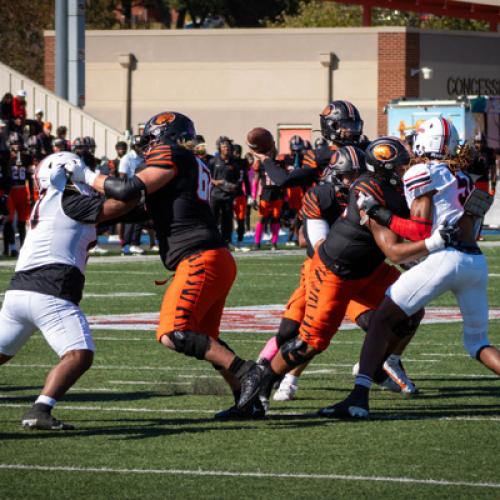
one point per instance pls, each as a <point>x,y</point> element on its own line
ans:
<point>250,474</point>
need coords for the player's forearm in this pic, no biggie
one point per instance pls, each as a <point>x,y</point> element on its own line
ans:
<point>413,229</point>
<point>405,252</point>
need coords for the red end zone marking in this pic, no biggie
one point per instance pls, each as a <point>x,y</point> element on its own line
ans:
<point>254,319</point>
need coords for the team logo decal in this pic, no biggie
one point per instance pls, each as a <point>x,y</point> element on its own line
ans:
<point>384,152</point>
<point>163,118</point>
<point>326,111</point>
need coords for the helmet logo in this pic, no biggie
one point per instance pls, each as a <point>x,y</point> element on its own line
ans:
<point>164,118</point>
<point>327,110</point>
<point>384,152</point>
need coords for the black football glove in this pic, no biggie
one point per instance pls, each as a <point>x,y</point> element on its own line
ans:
<point>376,211</point>
<point>449,235</point>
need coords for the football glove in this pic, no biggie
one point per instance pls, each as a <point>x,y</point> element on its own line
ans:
<point>374,210</point>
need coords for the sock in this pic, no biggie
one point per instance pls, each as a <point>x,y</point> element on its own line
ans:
<point>291,379</point>
<point>236,365</point>
<point>259,229</point>
<point>363,381</point>
<point>275,231</point>
<point>46,400</point>
<point>270,349</point>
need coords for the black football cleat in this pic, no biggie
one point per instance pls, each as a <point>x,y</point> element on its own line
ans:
<point>37,418</point>
<point>250,378</point>
<point>352,408</point>
<point>253,411</point>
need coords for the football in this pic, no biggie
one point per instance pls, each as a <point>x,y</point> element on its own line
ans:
<point>260,140</point>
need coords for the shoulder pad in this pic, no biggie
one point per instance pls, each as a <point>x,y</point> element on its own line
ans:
<point>309,159</point>
<point>161,155</point>
<point>418,180</point>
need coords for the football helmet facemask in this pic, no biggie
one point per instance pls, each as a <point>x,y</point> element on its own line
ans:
<point>346,161</point>
<point>51,171</point>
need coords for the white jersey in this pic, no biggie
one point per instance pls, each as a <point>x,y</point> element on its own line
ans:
<point>450,190</point>
<point>54,237</point>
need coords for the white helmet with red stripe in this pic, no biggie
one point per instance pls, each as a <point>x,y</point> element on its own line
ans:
<point>51,171</point>
<point>436,138</point>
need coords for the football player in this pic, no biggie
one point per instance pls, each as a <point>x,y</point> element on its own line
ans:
<point>240,201</point>
<point>176,186</point>
<point>48,282</point>
<point>441,196</point>
<point>350,263</point>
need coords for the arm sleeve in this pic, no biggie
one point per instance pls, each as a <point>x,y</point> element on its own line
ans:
<point>310,206</point>
<point>413,229</point>
<point>82,208</point>
<point>297,177</point>
<point>316,230</point>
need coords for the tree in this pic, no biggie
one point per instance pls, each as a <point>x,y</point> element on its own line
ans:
<point>21,34</point>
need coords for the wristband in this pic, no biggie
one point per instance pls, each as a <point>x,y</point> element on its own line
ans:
<point>434,242</point>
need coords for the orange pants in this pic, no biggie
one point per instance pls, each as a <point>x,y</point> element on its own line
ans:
<point>195,299</point>
<point>240,207</point>
<point>295,195</point>
<point>19,202</point>
<point>270,208</point>
<point>329,296</point>
<point>296,306</point>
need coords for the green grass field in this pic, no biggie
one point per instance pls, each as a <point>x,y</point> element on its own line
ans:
<point>144,426</point>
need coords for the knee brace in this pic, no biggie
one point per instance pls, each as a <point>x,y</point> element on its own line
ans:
<point>289,329</point>
<point>363,320</point>
<point>190,343</point>
<point>223,344</point>
<point>296,352</point>
<point>409,325</point>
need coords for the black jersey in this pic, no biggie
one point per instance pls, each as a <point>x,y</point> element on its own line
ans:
<point>228,170</point>
<point>320,202</point>
<point>270,191</point>
<point>20,169</point>
<point>180,210</point>
<point>350,250</point>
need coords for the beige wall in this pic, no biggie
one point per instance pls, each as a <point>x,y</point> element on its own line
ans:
<point>229,81</point>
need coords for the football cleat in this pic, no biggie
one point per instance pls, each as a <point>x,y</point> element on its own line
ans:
<point>253,411</point>
<point>250,382</point>
<point>136,250</point>
<point>97,250</point>
<point>286,391</point>
<point>395,370</point>
<point>37,419</point>
<point>389,385</point>
<point>352,408</point>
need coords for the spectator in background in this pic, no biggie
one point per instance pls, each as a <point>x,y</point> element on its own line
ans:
<point>240,200</point>
<point>4,145</point>
<point>6,113</point>
<point>19,106</point>
<point>131,242</point>
<point>36,125</point>
<point>45,141</point>
<point>200,150</point>
<point>121,150</point>
<point>61,133</point>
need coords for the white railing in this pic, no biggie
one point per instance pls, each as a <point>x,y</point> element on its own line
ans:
<point>59,111</point>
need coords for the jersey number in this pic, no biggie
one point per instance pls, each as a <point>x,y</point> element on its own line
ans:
<point>203,190</point>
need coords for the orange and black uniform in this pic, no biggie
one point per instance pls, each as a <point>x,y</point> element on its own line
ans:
<point>271,195</point>
<point>20,193</point>
<point>190,244</point>
<point>240,200</point>
<point>349,266</point>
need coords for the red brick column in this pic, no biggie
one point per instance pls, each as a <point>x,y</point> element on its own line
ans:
<point>49,70</point>
<point>398,53</point>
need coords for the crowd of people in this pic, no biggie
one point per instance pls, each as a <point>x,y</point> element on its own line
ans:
<point>365,207</point>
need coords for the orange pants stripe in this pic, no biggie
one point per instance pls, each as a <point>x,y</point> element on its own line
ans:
<point>329,296</point>
<point>195,299</point>
<point>296,306</point>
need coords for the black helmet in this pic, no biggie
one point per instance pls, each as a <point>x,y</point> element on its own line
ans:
<point>89,142</point>
<point>320,142</point>
<point>341,121</point>
<point>297,144</point>
<point>307,146</point>
<point>237,150</point>
<point>346,160</point>
<point>385,154</point>
<point>78,144</point>
<point>169,125</point>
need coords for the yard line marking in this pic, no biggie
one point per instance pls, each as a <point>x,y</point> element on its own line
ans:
<point>256,474</point>
<point>144,382</point>
<point>446,354</point>
<point>117,409</point>
<point>112,367</point>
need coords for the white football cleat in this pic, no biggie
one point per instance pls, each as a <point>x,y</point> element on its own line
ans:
<point>136,250</point>
<point>97,250</point>
<point>286,391</point>
<point>395,370</point>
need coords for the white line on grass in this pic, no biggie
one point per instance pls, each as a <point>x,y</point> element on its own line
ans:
<point>119,294</point>
<point>258,474</point>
